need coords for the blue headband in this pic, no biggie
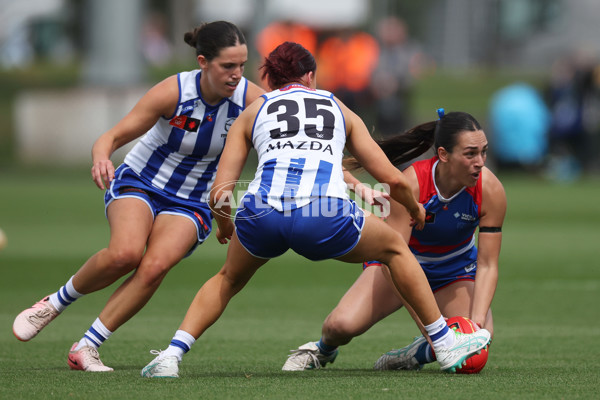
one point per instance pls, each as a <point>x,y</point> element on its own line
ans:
<point>440,112</point>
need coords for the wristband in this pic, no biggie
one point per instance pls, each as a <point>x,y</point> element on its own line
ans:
<point>490,229</point>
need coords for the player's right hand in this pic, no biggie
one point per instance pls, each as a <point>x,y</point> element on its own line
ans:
<point>103,172</point>
<point>418,218</point>
<point>225,232</point>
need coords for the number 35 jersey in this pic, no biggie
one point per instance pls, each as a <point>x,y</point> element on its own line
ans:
<point>299,134</point>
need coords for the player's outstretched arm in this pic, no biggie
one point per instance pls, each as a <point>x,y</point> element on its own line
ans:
<point>493,210</point>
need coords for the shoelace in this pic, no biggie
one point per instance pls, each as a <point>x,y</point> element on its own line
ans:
<point>298,356</point>
<point>156,352</point>
<point>38,318</point>
<point>158,367</point>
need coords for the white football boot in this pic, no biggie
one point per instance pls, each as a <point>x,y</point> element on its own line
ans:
<point>401,359</point>
<point>308,356</point>
<point>465,346</point>
<point>162,366</point>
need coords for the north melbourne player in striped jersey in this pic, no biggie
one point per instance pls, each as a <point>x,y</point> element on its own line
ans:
<point>157,200</point>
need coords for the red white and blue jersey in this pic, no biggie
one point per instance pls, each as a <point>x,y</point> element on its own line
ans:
<point>180,154</point>
<point>446,246</point>
<point>299,134</point>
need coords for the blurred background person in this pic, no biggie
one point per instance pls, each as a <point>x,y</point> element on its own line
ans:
<point>573,96</point>
<point>520,121</point>
<point>347,58</point>
<point>156,46</point>
<point>591,115</point>
<point>400,62</point>
<point>278,32</point>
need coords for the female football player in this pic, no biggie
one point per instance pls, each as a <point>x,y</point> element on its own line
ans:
<point>157,200</point>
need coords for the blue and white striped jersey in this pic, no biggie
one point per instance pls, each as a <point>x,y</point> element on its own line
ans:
<point>180,154</point>
<point>299,135</point>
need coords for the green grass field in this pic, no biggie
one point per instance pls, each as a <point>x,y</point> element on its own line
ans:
<point>547,329</point>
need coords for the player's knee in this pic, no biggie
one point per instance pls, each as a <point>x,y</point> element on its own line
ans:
<point>235,278</point>
<point>395,249</point>
<point>153,270</point>
<point>341,327</point>
<point>124,260</point>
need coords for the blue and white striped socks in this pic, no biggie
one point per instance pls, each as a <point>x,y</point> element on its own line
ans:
<point>94,336</point>
<point>180,344</point>
<point>65,296</point>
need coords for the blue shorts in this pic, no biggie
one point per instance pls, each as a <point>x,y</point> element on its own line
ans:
<point>438,282</point>
<point>325,228</point>
<point>129,184</point>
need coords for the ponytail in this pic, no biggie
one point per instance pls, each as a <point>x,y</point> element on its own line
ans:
<point>410,144</point>
<point>402,148</point>
<point>414,142</point>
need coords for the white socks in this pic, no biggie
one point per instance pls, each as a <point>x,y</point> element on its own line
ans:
<point>440,334</point>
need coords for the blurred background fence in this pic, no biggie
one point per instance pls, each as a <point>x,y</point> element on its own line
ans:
<point>527,69</point>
